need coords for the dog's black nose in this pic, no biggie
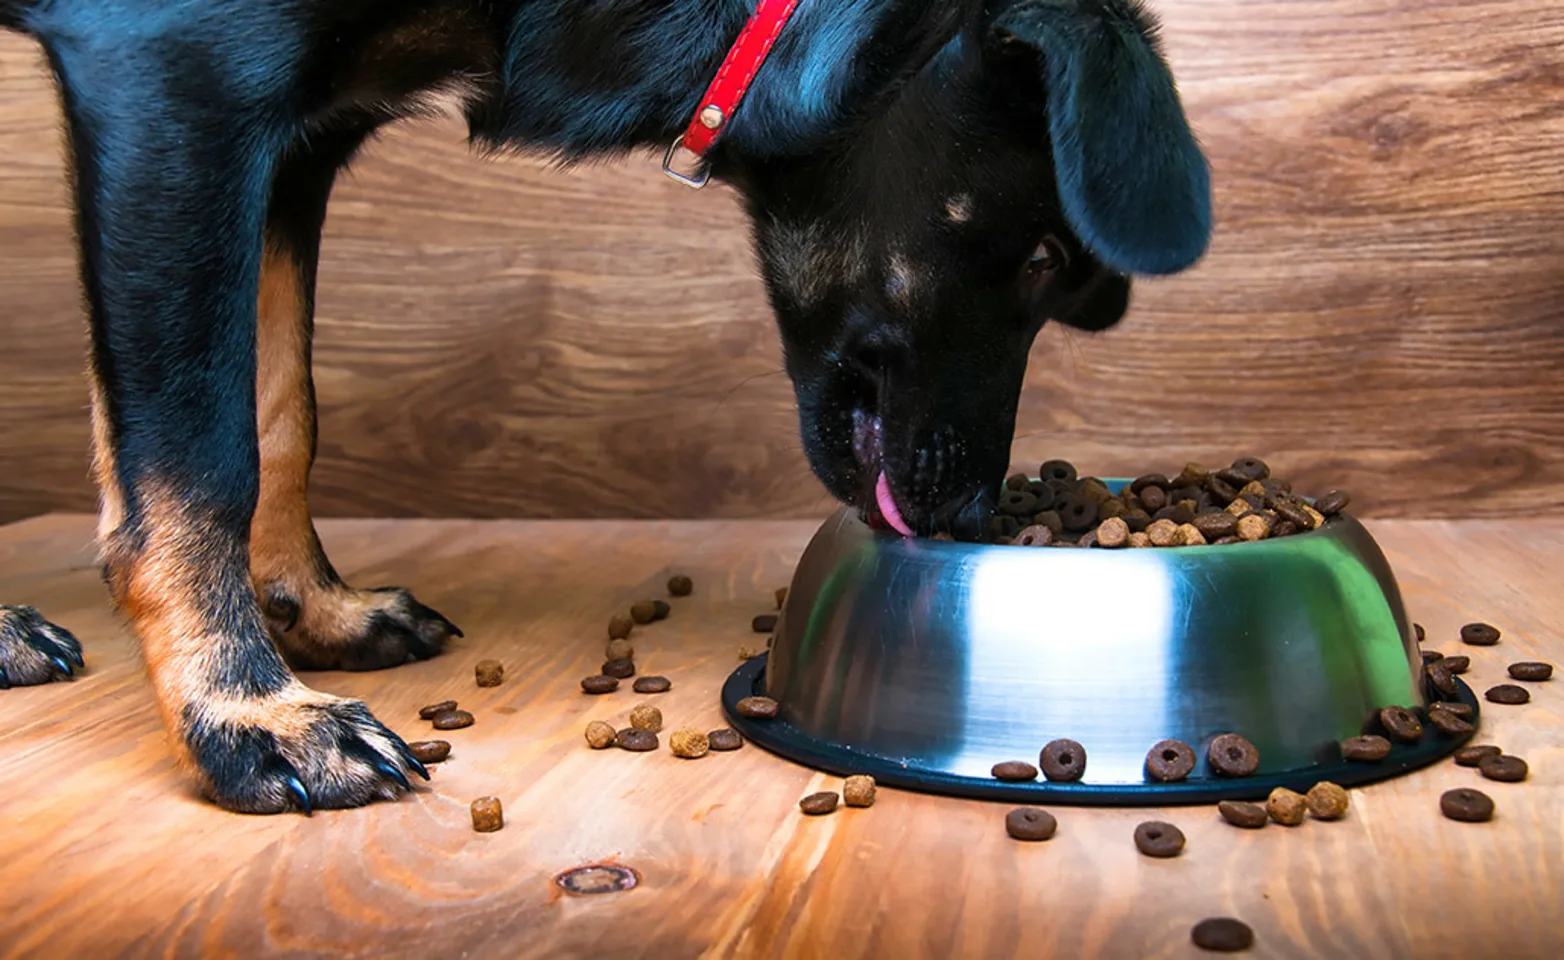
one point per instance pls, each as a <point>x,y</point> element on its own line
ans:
<point>877,355</point>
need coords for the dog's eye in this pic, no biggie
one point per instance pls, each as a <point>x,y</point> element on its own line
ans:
<point>1048,258</point>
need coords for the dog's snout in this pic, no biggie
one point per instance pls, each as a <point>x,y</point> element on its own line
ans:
<point>877,354</point>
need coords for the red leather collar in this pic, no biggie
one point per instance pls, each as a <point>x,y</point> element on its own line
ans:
<point>732,82</point>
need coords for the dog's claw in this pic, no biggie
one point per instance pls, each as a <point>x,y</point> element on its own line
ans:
<point>300,795</point>
<point>76,656</point>
<point>390,770</point>
<point>63,667</point>
<point>432,614</point>
<point>5,681</point>
<point>412,761</point>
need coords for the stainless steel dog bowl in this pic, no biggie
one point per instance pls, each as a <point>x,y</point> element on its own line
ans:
<point>924,663</point>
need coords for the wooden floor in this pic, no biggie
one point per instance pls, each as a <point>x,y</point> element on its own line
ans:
<point>105,852</point>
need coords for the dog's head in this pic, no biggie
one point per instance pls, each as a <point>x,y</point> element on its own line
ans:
<point>1023,174</point>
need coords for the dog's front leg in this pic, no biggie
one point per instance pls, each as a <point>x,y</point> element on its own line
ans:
<point>318,621</point>
<point>172,180</point>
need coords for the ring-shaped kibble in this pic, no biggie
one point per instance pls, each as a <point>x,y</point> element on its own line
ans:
<point>1063,760</point>
<point>1402,724</point>
<point>1232,756</point>
<point>1076,513</point>
<point>1062,470</point>
<point>1170,761</point>
<point>1018,503</point>
<point>1157,839</point>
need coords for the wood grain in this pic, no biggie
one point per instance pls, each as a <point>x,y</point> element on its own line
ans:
<point>108,855</point>
<point>1383,307</point>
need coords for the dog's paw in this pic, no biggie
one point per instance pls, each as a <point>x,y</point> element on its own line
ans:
<point>341,628</point>
<point>33,650</point>
<point>298,750</point>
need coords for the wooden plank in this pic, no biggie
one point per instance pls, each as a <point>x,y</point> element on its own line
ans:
<point>1381,309</point>
<point>107,854</point>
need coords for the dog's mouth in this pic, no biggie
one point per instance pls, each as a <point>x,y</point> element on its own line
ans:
<point>885,506</point>
<point>880,509</point>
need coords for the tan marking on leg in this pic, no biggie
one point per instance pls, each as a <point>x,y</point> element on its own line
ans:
<point>111,499</point>
<point>283,547</point>
<point>156,587</point>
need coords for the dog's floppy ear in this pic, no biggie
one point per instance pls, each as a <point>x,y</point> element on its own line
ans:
<point>1132,180</point>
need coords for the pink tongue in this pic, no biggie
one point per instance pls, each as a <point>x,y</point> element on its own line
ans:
<point>882,496</point>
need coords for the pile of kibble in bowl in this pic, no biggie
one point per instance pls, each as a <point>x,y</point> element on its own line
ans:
<point>1236,504</point>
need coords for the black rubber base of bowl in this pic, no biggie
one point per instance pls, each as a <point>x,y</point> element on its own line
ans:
<point>782,739</point>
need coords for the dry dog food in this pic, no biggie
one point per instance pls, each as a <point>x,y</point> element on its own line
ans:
<point>1466,805</point>
<point>619,650</point>
<point>1170,761</point>
<point>1222,935</point>
<point>619,669</point>
<point>600,684</point>
<point>661,610</point>
<point>643,611</point>
<point>1479,634</point>
<point>619,627</point>
<point>689,744</point>
<point>1459,709</point>
<point>1232,756</point>
<point>646,717</point>
<point>757,708</point>
<point>1063,760</point>
<point>636,740</point>
<point>1429,656</point>
<point>1507,693</point>
<point>680,586</point>
<point>1503,768</point>
<point>652,684</point>
<point>1440,678</point>
<point>1242,502</point>
<point>1447,722</point>
<point>1327,801</point>
<point>1531,670</point>
<point>1457,664</point>
<point>820,803</point>
<point>858,791</point>
<point>1365,749</point>
<point>725,739</point>
<point>1015,770</point>
<point>487,814</point>
<point>765,623</point>
<point>1030,824</point>
<point>452,720</point>
<point>429,751</point>
<point>1472,756</point>
<point>1157,839</point>
<point>431,711</point>
<point>1250,816</point>
<point>1286,807</point>
<point>599,735</point>
<point>1402,724</point>
<point>489,673</point>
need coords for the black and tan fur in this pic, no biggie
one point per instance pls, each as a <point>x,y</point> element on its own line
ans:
<point>929,183</point>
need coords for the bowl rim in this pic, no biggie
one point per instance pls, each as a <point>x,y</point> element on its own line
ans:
<point>1115,484</point>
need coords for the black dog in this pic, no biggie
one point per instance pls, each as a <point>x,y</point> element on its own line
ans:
<point>929,183</point>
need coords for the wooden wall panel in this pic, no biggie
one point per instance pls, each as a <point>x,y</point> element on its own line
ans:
<point>1383,307</point>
